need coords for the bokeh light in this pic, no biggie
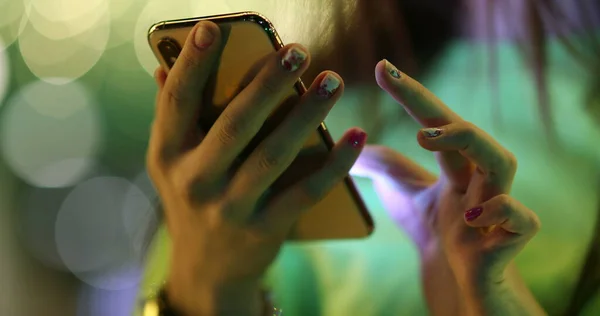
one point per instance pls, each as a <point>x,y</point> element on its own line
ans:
<point>123,15</point>
<point>12,17</point>
<point>51,133</point>
<point>94,230</point>
<point>62,19</point>
<point>99,302</point>
<point>67,58</point>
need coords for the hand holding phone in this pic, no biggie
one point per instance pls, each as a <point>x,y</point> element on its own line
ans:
<point>225,221</point>
<point>247,42</point>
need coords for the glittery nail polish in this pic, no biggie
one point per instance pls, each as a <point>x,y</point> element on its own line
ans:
<point>293,59</point>
<point>432,132</point>
<point>391,69</point>
<point>357,139</point>
<point>328,86</point>
<point>473,213</point>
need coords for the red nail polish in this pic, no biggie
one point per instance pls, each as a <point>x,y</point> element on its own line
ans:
<point>473,213</point>
<point>357,139</point>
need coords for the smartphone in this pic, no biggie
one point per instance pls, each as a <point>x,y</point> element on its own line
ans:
<point>248,38</point>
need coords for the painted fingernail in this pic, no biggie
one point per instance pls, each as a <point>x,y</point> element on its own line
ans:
<point>293,59</point>
<point>391,69</point>
<point>473,213</point>
<point>328,86</point>
<point>357,139</point>
<point>431,132</point>
<point>204,36</point>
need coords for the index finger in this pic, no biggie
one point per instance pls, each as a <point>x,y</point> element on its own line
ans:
<point>419,102</point>
<point>179,103</point>
<point>429,111</point>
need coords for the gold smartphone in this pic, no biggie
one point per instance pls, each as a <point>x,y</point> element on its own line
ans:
<point>248,38</point>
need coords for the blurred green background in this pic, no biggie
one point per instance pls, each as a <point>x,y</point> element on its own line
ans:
<point>76,103</point>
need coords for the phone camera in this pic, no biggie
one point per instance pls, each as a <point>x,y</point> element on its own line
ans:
<point>169,50</point>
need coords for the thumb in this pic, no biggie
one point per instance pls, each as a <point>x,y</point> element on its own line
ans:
<point>382,163</point>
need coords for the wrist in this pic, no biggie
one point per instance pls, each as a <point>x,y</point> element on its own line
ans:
<point>499,294</point>
<point>214,300</point>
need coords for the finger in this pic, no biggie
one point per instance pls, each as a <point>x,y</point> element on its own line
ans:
<point>160,76</point>
<point>270,159</point>
<point>419,102</point>
<point>429,111</point>
<point>379,162</point>
<point>506,218</point>
<point>177,113</point>
<point>497,163</point>
<point>248,111</point>
<point>283,212</point>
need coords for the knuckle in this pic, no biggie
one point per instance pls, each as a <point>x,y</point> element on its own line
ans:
<point>340,167</point>
<point>174,93</point>
<point>227,209</point>
<point>504,165</point>
<point>536,224</point>
<point>186,60</point>
<point>511,161</point>
<point>229,129</point>
<point>505,204</point>
<point>468,133</point>
<point>270,159</point>
<point>309,117</point>
<point>187,185</point>
<point>268,86</point>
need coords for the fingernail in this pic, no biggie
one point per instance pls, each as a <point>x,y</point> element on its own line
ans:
<point>431,132</point>
<point>391,69</point>
<point>473,213</point>
<point>357,139</point>
<point>293,59</point>
<point>328,86</point>
<point>204,36</point>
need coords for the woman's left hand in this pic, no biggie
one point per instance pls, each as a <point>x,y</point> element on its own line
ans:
<point>463,220</point>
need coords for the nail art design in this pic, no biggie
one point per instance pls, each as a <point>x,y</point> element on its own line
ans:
<point>473,213</point>
<point>358,139</point>
<point>392,70</point>
<point>329,86</point>
<point>432,132</point>
<point>293,59</point>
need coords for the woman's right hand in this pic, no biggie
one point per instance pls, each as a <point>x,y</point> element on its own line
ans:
<point>223,235</point>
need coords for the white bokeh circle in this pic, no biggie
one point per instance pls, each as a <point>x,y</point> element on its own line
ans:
<point>12,18</point>
<point>69,53</point>
<point>93,232</point>
<point>123,15</point>
<point>62,19</point>
<point>50,134</point>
